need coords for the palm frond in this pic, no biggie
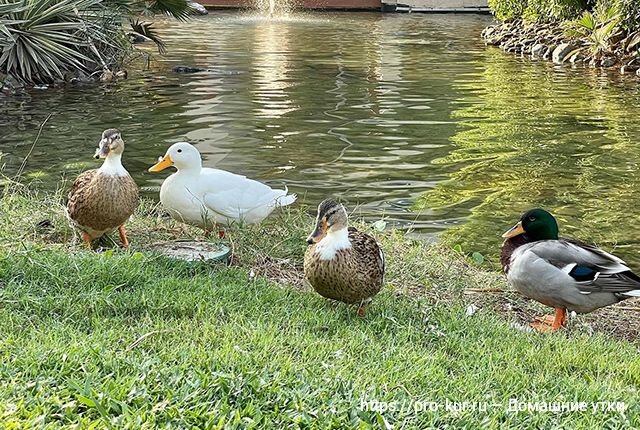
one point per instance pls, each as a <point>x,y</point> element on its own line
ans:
<point>179,9</point>
<point>146,29</point>
<point>11,7</point>
<point>587,21</point>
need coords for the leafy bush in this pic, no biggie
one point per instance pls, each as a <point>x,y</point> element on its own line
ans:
<point>506,10</point>
<point>562,10</point>
<point>629,14</point>
<point>553,10</point>
<point>40,40</point>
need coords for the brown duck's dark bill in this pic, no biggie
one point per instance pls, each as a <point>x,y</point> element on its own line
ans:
<point>103,149</point>
<point>516,230</point>
<point>318,233</point>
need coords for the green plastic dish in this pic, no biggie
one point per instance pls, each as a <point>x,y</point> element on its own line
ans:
<point>188,250</point>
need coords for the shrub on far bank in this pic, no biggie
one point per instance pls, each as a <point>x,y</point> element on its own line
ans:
<point>553,10</point>
<point>562,10</point>
<point>629,13</point>
<point>506,10</point>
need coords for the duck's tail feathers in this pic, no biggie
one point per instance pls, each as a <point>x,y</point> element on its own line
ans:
<point>285,199</point>
<point>632,293</point>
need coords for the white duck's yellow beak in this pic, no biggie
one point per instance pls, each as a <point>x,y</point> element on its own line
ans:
<point>514,231</point>
<point>162,164</point>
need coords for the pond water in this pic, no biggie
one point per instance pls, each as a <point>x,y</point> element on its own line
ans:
<point>406,117</point>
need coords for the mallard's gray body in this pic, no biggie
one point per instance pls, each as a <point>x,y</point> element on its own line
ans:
<point>566,274</point>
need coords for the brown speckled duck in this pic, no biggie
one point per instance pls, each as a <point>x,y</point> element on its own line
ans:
<point>342,263</point>
<point>103,199</point>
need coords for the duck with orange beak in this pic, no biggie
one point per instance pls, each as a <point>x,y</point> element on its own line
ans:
<point>209,198</point>
<point>101,200</point>
<point>562,273</point>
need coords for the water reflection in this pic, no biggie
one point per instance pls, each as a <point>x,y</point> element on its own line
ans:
<point>530,136</point>
<point>271,70</point>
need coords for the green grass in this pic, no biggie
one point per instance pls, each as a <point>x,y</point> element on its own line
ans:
<point>129,339</point>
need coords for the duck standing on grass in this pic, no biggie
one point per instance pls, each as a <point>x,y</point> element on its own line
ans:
<point>562,273</point>
<point>103,199</point>
<point>207,197</point>
<point>342,263</point>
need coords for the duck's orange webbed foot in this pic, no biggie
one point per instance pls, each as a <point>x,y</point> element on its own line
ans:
<point>549,323</point>
<point>87,240</point>
<point>123,236</point>
<point>362,309</point>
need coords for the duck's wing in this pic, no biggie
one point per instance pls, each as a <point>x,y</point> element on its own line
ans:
<point>368,249</point>
<point>77,195</point>
<point>591,268</point>
<point>237,194</point>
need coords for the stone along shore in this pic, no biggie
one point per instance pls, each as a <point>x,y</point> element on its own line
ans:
<point>549,42</point>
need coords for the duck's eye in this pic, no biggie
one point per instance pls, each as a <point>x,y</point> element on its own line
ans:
<point>532,218</point>
<point>179,150</point>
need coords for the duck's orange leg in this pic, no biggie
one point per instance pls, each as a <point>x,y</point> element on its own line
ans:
<point>362,309</point>
<point>207,234</point>
<point>551,323</point>
<point>123,236</point>
<point>87,239</point>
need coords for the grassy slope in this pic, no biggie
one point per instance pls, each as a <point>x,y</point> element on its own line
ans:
<point>227,349</point>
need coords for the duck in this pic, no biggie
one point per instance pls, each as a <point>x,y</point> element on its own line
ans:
<point>101,200</point>
<point>565,274</point>
<point>207,198</point>
<point>342,263</point>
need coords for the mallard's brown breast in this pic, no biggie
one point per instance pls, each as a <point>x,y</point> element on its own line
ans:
<point>507,249</point>
<point>102,202</point>
<point>353,275</point>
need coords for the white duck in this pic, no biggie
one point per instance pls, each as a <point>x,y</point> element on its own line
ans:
<point>207,197</point>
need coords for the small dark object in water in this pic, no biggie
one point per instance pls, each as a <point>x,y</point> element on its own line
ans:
<point>187,69</point>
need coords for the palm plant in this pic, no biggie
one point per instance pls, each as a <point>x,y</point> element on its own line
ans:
<point>598,27</point>
<point>42,40</point>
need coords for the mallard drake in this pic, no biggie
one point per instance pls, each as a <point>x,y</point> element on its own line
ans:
<point>101,200</point>
<point>562,273</point>
<point>342,263</point>
<point>207,197</point>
